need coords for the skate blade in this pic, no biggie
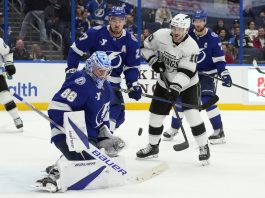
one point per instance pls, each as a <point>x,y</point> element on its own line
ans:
<point>21,130</point>
<point>217,141</point>
<point>49,187</point>
<point>205,162</point>
<point>148,157</point>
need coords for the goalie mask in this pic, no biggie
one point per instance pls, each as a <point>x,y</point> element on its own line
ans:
<point>98,66</point>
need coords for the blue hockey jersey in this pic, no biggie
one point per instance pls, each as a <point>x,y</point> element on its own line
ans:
<point>123,52</point>
<point>211,58</point>
<point>79,92</point>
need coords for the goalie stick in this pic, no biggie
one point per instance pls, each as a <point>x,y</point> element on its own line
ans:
<point>235,85</point>
<point>257,67</point>
<point>95,152</point>
<point>211,102</point>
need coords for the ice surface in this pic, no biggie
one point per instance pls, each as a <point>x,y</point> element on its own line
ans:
<point>237,168</point>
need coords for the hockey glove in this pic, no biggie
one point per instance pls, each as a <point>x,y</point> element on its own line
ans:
<point>112,145</point>
<point>69,72</point>
<point>135,92</point>
<point>10,68</point>
<point>156,65</point>
<point>227,80</point>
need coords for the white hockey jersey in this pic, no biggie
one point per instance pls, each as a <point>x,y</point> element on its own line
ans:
<point>5,54</point>
<point>180,59</point>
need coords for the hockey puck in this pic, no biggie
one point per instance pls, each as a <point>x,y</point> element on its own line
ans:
<point>140,131</point>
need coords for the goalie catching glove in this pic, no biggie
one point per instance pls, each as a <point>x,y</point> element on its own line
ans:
<point>110,143</point>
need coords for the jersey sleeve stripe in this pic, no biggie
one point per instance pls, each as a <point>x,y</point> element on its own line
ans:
<point>76,50</point>
<point>217,59</point>
<point>59,106</point>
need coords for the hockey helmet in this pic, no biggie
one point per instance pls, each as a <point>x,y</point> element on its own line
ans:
<point>180,21</point>
<point>117,11</point>
<point>199,14</point>
<point>98,66</point>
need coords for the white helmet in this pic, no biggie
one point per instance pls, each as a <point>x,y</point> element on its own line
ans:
<point>181,21</point>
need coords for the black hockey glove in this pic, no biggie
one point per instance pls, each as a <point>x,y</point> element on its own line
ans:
<point>10,68</point>
<point>156,65</point>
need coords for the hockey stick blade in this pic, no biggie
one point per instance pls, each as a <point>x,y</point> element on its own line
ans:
<point>153,172</point>
<point>181,147</point>
<point>210,102</point>
<point>257,67</point>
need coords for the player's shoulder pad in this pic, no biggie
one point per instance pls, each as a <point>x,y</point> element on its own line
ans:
<point>190,46</point>
<point>159,34</point>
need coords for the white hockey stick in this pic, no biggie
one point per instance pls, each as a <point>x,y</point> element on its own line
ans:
<point>257,67</point>
<point>104,159</point>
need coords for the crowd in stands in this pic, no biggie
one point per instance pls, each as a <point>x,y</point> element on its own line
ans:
<point>56,14</point>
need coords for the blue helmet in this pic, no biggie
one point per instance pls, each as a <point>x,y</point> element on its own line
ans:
<point>117,11</point>
<point>199,14</point>
<point>98,66</point>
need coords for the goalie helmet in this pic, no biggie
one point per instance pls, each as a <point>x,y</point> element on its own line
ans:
<point>180,21</point>
<point>98,66</point>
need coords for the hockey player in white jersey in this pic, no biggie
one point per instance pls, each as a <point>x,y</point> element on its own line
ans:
<point>7,67</point>
<point>175,53</point>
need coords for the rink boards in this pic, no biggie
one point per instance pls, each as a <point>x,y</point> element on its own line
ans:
<point>37,82</point>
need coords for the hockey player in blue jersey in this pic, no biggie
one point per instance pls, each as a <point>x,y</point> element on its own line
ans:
<point>86,90</point>
<point>122,48</point>
<point>211,61</point>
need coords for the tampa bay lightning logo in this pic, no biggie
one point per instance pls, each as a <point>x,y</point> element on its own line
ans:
<point>202,55</point>
<point>100,13</point>
<point>102,113</point>
<point>115,57</point>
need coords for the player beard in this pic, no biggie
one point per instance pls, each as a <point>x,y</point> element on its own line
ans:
<point>200,30</point>
<point>116,33</point>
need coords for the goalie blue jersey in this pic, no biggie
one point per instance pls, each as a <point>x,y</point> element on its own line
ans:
<point>211,58</point>
<point>123,52</point>
<point>79,92</point>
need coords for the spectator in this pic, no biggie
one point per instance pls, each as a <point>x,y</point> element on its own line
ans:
<point>163,14</point>
<point>11,39</point>
<point>251,31</point>
<point>148,15</point>
<point>223,35</point>
<point>19,51</point>
<point>36,53</point>
<point>130,24</point>
<point>97,9</point>
<point>259,41</point>
<point>49,16</point>
<point>229,59</point>
<point>146,33</point>
<point>235,40</point>
<point>82,24</point>
<point>34,8</point>
<point>221,26</point>
<point>235,25</point>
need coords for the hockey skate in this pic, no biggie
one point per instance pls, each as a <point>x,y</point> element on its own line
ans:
<point>49,183</point>
<point>150,151</point>
<point>170,134</point>
<point>19,124</point>
<point>218,137</point>
<point>204,154</point>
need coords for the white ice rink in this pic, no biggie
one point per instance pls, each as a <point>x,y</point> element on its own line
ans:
<point>237,169</point>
